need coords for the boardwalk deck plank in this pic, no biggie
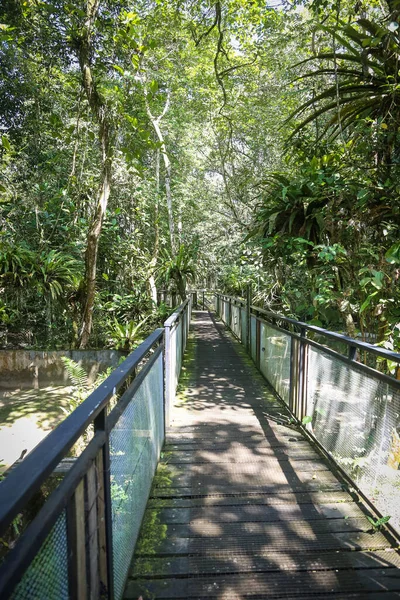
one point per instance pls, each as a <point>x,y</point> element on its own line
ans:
<point>243,506</point>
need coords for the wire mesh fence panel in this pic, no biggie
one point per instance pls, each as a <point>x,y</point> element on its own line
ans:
<point>253,338</point>
<point>243,319</point>
<point>172,360</point>
<point>186,327</point>
<point>178,351</point>
<point>47,575</point>
<point>225,312</point>
<point>231,316</point>
<point>235,321</point>
<point>135,446</point>
<point>356,417</point>
<point>275,359</point>
<point>184,330</point>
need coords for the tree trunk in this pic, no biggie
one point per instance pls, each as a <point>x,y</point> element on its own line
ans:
<point>153,262</point>
<point>92,247</point>
<point>155,121</point>
<point>100,112</point>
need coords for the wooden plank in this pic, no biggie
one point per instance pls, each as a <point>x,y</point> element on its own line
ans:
<point>169,498</point>
<point>201,529</point>
<point>217,564</point>
<point>278,541</point>
<point>77,544</point>
<point>237,453</point>
<point>285,584</point>
<point>226,463</point>
<point>186,485</point>
<point>101,520</point>
<point>92,533</point>
<point>255,513</point>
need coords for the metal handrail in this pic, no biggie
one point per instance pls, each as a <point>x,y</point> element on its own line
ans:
<point>177,314</point>
<point>294,395</point>
<point>304,327</point>
<point>338,337</point>
<point>23,481</point>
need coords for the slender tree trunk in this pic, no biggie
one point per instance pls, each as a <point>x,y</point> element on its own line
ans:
<point>100,112</point>
<point>153,262</point>
<point>155,121</point>
<point>92,247</point>
<point>168,194</point>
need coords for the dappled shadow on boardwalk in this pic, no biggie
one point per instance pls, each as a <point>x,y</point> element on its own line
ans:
<point>242,506</point>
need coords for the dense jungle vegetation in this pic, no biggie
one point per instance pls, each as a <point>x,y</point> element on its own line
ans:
<point>176,143</point>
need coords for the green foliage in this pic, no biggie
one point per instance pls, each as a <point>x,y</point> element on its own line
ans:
<point>76,373</point>
<point>365,72</point>
<point>80,382</point>
<point>179,269</point>
<point>377,524</point>
<point>309,223</point>
<point>125,336</point>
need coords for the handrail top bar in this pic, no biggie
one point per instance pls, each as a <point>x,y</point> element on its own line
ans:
<point>175,315</point>
<point>339,337</point>
<point>234,298</point>
<point>28,476</point>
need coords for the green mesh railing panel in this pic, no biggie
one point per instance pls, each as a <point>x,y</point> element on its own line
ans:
<point>235,320</point>
<point>356,417</point>
<point>225,312</point>
<point>253,338</point>
<point>47,575</point>
<point>135,446</point>
<point>243,319</point>
<point>178,350</point>
<point>172,358</point>
<point>185,328</point>
<point>275,359</point>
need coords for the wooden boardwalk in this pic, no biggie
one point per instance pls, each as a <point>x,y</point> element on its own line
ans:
<point>243,506</point>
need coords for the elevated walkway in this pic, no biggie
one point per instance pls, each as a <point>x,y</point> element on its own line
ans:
<point>242,505</point>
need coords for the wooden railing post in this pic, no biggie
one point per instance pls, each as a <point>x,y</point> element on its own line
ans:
<point>77,579</point>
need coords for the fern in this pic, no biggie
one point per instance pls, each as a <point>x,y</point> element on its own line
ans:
<point>76,373</point>
<point>103,376</point>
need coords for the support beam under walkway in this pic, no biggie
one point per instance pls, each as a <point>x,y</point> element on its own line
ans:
<point>243,506</point>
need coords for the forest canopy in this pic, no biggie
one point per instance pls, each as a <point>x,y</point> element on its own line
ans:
<point>169,144</point>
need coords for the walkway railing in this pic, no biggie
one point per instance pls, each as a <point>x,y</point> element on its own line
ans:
<point>81,542</point>
<point>350,409</point>
<point>176,333</point>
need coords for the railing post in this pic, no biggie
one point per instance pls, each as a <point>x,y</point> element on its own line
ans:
<point>294,375</point>
<point>248,317</point>
<point>77,580</point>
<point>105,508</point>
<point>352,352</point>
<point>182,336</point>
<point>167,374</point>
<point>302,377</point>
